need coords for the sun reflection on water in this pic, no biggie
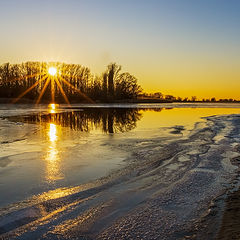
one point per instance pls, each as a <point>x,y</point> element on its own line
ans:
<point>53,132</point>
<point>52,108</point>
<point>53,163</point>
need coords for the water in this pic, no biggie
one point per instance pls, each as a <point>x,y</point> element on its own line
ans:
<point>50,152</point>
<point>44,148</point>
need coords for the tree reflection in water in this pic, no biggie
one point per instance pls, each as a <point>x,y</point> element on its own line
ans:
<point>109,120</point>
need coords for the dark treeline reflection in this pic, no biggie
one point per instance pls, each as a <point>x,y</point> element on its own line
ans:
<point>109,120</point>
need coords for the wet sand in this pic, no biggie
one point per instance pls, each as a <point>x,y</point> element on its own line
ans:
<point>222,220</point>
<point>230,226</point>
<point>230,223</point>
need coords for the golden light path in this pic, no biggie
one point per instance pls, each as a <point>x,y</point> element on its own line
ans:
<point>52,158</point>
<point>51,75</point>
<point>53,163</point>
<point>53,132</point>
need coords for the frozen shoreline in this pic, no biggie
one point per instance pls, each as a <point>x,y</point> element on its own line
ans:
<point>163,192</point>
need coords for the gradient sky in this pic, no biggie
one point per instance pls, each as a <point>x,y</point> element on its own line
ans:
<point>179,47</point>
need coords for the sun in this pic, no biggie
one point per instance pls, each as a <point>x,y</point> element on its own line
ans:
<point>52,71</point>
<point>54,77</point>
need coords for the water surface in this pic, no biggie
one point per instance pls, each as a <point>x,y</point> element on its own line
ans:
<point>44,148</point>
<point>113,171</point>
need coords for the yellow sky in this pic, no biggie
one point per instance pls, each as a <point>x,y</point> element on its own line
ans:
<point>184,48</point>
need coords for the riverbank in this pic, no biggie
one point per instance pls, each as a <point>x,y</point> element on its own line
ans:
<point>124,101</point>
<point>230,222</point>
<point>229,228</point>
<point>75,101</point>
<point>221,221</point>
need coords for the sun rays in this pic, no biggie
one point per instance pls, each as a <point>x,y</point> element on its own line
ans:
<point>50,77</point>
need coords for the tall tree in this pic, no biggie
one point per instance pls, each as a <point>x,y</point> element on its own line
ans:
<point>113,71</point>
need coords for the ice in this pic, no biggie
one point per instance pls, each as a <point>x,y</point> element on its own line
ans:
<point>116,185</point>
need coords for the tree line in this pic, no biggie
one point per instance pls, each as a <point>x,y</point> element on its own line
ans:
<point>158,96</point>
<point>79,84</point>
<point>111,85</point>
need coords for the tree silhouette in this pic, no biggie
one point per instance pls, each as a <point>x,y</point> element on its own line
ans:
<point>78,83</point>
<point>112,71</point>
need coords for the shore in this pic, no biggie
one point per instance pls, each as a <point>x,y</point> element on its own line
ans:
<point>124,101</point>
<point>230,223</point>
<point>222,221</point>
<point>229,228</point>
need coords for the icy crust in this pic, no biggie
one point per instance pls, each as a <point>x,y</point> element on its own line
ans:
<point>165,188</point>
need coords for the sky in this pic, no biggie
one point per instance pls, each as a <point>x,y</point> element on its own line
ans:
<point>180,47</point>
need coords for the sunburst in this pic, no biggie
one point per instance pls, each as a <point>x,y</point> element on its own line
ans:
<point>51,75</point>
<point>52,71</point>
